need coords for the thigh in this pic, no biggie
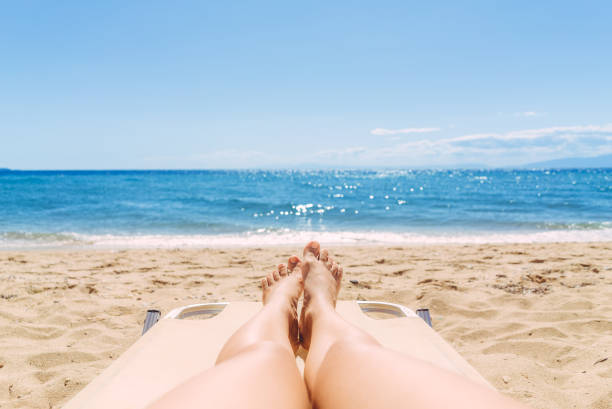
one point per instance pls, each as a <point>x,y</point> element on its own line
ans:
<point>263,376</point>
<point>366,376</point>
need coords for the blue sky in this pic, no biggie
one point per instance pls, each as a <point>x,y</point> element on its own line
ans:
<point>196,84</point>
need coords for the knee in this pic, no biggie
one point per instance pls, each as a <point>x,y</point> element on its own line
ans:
<point>352,347</point>
<point>345,352</point>
<point>269,351</point>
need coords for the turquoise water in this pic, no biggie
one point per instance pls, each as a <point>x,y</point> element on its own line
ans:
<point>218,208</point>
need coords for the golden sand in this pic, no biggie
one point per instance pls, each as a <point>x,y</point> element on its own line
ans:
<point>534,319</point>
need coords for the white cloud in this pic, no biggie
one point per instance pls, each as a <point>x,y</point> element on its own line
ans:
<point>529,114</point>
<point>350,152</point>
<point>560,132</point>
<point>496,149</point>
<point>221,159</point>
<point>230,155</point>
<point>384,131</point>
<point>511,148</point>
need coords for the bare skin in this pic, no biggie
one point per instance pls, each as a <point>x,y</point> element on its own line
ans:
<point>345,367</point>
<point>256,367</point>
<point>280,293</point>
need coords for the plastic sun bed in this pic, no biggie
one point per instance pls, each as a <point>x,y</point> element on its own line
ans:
<point>179,347</point>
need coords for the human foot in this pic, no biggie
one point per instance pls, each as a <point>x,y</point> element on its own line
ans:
<point>322,277</point>
<point>280,292</point>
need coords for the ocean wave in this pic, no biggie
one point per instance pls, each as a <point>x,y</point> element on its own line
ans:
<point>28,239</point>
<point>266,238</point>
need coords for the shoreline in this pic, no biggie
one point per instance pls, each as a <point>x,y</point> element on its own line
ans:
<point>534,319</point>
<point>109,242</point>
<point>121,249</point>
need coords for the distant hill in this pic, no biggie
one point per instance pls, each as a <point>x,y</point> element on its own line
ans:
<point>603,161</point>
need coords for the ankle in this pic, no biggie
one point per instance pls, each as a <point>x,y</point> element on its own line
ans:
<point>318,308</point>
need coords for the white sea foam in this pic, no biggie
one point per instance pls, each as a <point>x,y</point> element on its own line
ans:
<point>266,239</point>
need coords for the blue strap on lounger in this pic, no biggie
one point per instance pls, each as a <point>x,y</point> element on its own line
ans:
<point>424,313</point>
<point>150,320</point>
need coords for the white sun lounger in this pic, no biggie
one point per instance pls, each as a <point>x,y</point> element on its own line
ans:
<point>178,348</point>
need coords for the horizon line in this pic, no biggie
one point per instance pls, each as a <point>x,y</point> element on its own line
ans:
<point>520,167</point>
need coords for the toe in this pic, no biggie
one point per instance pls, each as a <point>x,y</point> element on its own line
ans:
<point>297,269</point>
<point>292,262</point>
<point>339,274</point>
<point>312,249</point>
<point>264,284</point>
<point>282,270</point>
<point>270,280</point>
<point>276,276</point>
<point>324,255</point>
<point>334,269</point>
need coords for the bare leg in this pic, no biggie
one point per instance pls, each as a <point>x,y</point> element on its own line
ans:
<point>256,367</point>
<point>277,321</point>
<point>347,368</point>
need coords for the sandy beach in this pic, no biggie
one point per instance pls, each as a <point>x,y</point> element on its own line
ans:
<point>533,319</point>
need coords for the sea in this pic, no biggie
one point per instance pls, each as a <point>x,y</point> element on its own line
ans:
<point>220,208</point>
